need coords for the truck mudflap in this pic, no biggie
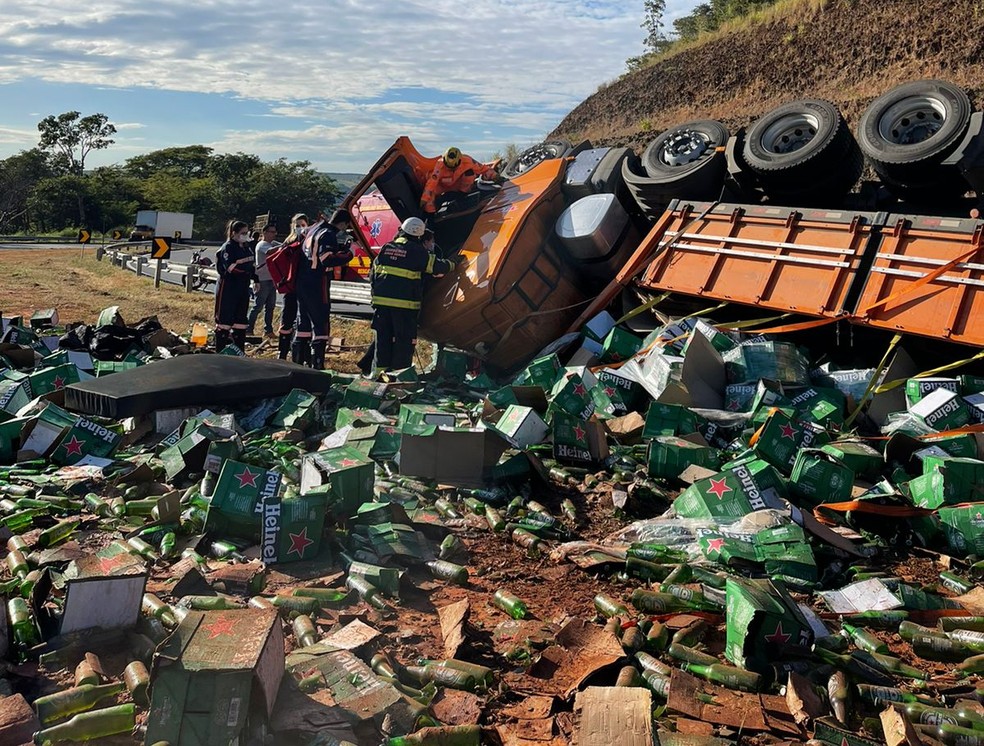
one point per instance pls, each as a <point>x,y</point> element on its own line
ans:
<point>911,274</point>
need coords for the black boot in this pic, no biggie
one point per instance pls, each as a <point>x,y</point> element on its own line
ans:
<point>318,354</point>
<point>222,339</point>
<point>239,339</point>
<point>284,345</point>
<point>300,352</point>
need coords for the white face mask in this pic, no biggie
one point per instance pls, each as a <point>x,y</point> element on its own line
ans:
<point>242,237</point>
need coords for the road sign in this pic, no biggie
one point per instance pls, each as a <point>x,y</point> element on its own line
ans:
<point>84,235</point>
<point>117,235</point>
<point>160,248</point>
<point>177,234</point>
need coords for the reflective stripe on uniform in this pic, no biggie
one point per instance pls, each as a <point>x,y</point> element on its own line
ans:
<point>383,270</point>
<point>410,305</point>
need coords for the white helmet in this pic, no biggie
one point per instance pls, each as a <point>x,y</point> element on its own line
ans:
<point>413,227</point>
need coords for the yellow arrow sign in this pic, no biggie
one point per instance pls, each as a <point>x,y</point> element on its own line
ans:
<point>160,248</point>
<point>84,236</point>
<point>117,235</point>
<point>177,234</point>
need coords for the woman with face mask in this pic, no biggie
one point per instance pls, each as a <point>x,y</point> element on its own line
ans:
<point>236,266</point>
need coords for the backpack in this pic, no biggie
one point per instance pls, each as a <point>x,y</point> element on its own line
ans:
<point>282,265</point>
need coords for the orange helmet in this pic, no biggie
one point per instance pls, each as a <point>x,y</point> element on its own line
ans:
<point>452,157</point>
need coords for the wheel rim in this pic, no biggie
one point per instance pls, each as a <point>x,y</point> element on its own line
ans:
<point>683,147</point>
<point>790,133</point>
<point>533,156</point>
<point>912,120</point>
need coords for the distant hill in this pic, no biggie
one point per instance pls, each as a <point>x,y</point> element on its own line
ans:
<point>345,181</point>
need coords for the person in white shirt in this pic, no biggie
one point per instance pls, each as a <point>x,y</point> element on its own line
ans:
<point>265,294</point>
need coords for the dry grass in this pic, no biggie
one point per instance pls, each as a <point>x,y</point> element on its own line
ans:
<point>80,287</point>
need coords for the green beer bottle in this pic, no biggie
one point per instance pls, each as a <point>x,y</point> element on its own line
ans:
<point>137,680</point>
<point>629,676</point>
<point>367,591</point>
<point>304,631</point>
<point>658,603</point>
<point>690,655</point>
<point>153,606</point>
<point>889,620</point>
<point>444,570</point>
<point>608,607</point>
<point>950,623</point>
<point>652,664</point>
<point>863,639</point>
<point>87,726</point>
<point>451,678</point>
<point>729,676</point>
<point>838,693</point>
<point>885,695</point>
<point>510,604</point>
<point>494,518</point>
<point>325,596</point>
<point>22,623</point>
<point>70,701</point>
<point>289,605</point>
<point>17,563</point>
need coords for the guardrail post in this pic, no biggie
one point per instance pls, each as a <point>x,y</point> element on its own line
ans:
<point>99,253</point>
<point>140,263</point>
<point>190,275</point>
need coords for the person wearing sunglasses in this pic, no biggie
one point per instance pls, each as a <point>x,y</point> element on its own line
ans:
<point>236,266</point>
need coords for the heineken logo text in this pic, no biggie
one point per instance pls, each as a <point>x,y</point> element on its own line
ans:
<point>566,451</point>
<point>98,430</point>
<point>752,492</point>
<point>938,414</point>
<point>269,504</point>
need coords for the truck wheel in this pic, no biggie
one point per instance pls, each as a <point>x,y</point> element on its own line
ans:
<point>908,132</point>
<point>650,198</point>
<point>803,143</point>
<point>531,156</point>
<point>684,149</point>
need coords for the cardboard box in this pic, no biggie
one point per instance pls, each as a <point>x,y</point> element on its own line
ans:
<point>42,433</point>
<point>942,409</point>
<point>300,410</point>
<point>521,426</point>
<point>668,456</point>
<point>733,492</point>
<point>85,438</point>
<point>349,473</point>
<point>963,526</point>
<point>463,456</point>
<point>916,389</point>
<point>819,477</point>
<point>668,419</point>
<point>761,618</point>
<point>210,673</point>
<point>578,442</point>
<point>619,345</point>
<point>782,437</point>
<point>46,380</point>
<point>425,414</point>
<point>947,481</point>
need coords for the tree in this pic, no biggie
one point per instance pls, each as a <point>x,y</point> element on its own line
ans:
<point>70,139</point>
<point>189,162</point>
<point>19,174</point>
<point>652,24</point>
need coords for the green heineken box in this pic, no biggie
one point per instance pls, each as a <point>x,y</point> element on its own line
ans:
<point>732,493</point>
<point>947,481</point>
<point>522,426</point>
<point>738,397</point>
<point>577,441</point>
<point>59,357</point>
<point>233,351</point>
<point>829,731</point>
<point>385,441</point>
<point>13,396</point>
<point>956,445</point>
<point>782,437</point>
<point>604,405</point>
<point>916,389</point>
<point>769,394</point>
<point>189,453</point>
<point>726,550</point>
<point>971,385</point>
<point>822,405</point>
<point>43,432</point>
<point>452,364</point>
<point>511,466</point>
<point>719,340</point>
<point>818,477</point>
<point>220,451</point>
<point>571,396</point>
<point>358,416</point>
<point>10,433</point>
<point>85,438</point>
<point>668,419</point>
<point>108,367</point>
<point>502,397</point>
<point>858,456</point>
<point>627,395</point>
<point>212,674</point>
<point>788,560</point>
<point>415,415</point>
<point>21,335</point>
<point>963,526</point>
<point>773,361</point>
<point>300,410</point>
<point>761,618</point>
<point>619,345</point>
<point>976,404</point>
<point>349,472</point>
<point>669,456</point>
<point>721,429</point>
<point>541,372</point>
<point>46,380</point>
<point>941,409</point>
<point>365,394</point>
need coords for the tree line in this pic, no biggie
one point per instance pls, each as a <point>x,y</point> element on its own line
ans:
<point>705,17</point>
<point>48,189</point>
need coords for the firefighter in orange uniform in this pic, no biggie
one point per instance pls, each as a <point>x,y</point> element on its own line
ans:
<point>454,172</point>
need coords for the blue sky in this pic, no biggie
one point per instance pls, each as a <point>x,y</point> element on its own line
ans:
<point>333,82</point>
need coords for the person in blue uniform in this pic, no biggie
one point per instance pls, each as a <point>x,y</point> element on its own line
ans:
<point>236,266</point>
<point>288,317</point>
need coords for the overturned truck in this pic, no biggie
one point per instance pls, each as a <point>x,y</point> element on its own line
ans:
<point>770,217</point>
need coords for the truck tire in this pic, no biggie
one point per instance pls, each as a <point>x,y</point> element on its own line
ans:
<point>531,156</point>
<point>679,153</point>
<point>803,153</point>
<point>650,198</point>
<point>907,133</point>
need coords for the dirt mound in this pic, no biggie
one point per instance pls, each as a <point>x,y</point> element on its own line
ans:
<point>846,51</point>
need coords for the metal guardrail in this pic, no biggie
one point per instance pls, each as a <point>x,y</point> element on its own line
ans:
<point>192,275</point>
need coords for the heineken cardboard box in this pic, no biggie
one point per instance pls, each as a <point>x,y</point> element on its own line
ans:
<point>425,414</point>
<point>963,527</point>
<point>246,504</point>
<point>522,426</point>
<point>941,409</point>
<point>358,416</point>
<point>571,395</point>
<point>821,405</point>
<point>14,395</point>
<point>299,410</point>
<point>46,380</point>
<point>459,455</point>
<point>738,397</point>
<point>619,345</point>
<point>976,404</point>
<point>221,450</point>
<point>916,389</point>
<point>668,456</point>
<point>541,372</point>
<point>365,394</point>
<point>596,329</point>
<point>971,385</point>
<point>668,419</point>
<point>211,673</point>
<point>863,460</point>
<point>761,618</point>
<point>818,477</point>
<point>85,438</point>
<point>578,442</point>
<point>626,394</point>
<point>719,340</point>
<point>21,335</point>
<point>781,438</point>
<point>43,432</point>
<point>525,396</point>
<point>733,493</point>
<point>675,335</point>
<point>771,360</point>
<point>721,429</point>
<point>348,471</point>
<point>188,454</point>
<point>948,481</point>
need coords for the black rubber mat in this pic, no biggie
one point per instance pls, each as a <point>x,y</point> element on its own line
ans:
<point>191,380</point>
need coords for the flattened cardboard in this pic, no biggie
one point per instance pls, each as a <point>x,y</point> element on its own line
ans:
<point>614,716</point>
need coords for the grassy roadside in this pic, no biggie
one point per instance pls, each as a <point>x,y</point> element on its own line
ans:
<point>80,287</point>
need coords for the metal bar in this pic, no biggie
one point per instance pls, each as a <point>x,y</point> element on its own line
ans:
<point>761,243</point>
<point>931,262</point>
<point>919,275</point>
<point>757,255</point>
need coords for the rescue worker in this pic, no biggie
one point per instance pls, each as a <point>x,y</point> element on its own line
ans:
<point>324,248</point>
<point>397,279</point>
<point>288,317</point>
<point>235,264</point>
<point>454,172</point>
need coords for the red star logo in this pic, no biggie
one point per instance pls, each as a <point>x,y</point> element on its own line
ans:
<point>609,391</point>
<point>778,635</point>
<point>733,405</point>
<point>715,545</point>
<point>59,382</point>
<point>719,488</point>
<point>389,430</point>
<point>299,542</point>
<point>788,431</point>
<point>579,389</point>
<point>108,564</point>
<point>221,626</point>
<point>979,516</point>
<point>247,477</point>
<point>579,432</point>
<point>616,357</point>
<point>74,446</point>
<point>348,462</point>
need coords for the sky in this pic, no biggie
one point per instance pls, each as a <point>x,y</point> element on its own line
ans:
<point>333,82</point>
